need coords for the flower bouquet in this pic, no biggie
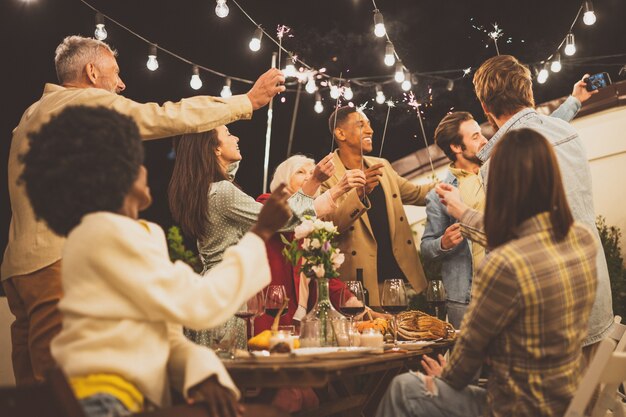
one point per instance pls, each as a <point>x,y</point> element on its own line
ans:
<point>313,251</point>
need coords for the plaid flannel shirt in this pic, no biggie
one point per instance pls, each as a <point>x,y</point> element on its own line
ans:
<point>528,317</point>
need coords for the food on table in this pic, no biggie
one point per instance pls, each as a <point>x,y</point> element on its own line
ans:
<point>261,341</point>
<point>417,325</point>
<point>281,347</point>
<point>379,324</point>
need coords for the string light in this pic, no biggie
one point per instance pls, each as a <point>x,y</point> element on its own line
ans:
<point>555,66</point>
<point>406,84</point>
<point>318,103</point>
<point>221,10</point>
<point>570,45</point>
<point>399,75</point>
<point>379,24</point>
<point>310,86</point>
<point>347,92</point>
<point>450,85</point>
<point>226,92</point>
<point>542,77</point>
<point>589,17</point>
<point>100,33</point>
<point>290,67</point>
<point>195,82</point>
<point>152,63</point>
<point>390,54</point>
<point>380,96</point>
<point>334,92</point>
<point>255,42</point>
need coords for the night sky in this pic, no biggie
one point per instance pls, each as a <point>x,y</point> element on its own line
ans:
<point>429,36</point>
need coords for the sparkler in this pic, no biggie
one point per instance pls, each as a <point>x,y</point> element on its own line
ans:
<point>495,34</point>
<point>412,102</point>
<point>467,71</point>
<point>281,31</point>
<point>390,104</point>
<point>332,135</point>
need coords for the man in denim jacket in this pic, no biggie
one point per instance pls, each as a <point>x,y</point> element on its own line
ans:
<point>504,88</point>
<point>460,138</point>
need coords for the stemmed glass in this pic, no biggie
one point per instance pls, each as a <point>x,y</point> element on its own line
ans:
<point>250,310</point>
<point>352,302</point>
<point>393,300</point>
<point>274,299</point>
<point>436,299</point>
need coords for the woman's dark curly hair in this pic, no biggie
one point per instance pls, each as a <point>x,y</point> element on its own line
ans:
<point>84,160</point>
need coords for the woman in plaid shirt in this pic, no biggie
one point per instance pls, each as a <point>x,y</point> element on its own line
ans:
<point>530,309</point>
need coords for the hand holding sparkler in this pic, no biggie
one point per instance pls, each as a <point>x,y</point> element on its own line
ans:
<point>353,178</point>
<point>266,87</point>
<point>372,179</point>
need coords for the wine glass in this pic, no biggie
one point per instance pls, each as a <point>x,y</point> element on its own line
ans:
<point>250,310</point>
<point>274,298</point>
<point>393,300</point>
<point>436,299</point>
<point>352,302</point>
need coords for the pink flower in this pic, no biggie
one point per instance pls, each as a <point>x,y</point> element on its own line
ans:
<point>318,270</point>
<point>337,259</point>
<point>303,229</point>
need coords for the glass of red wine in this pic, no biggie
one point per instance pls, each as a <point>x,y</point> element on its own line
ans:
<point>274,299</point>
<point>436,299</point>
<point>252,309</point>
<point>393,300</point>
<point>352,303</point>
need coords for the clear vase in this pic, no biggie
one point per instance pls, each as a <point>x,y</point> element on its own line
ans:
<point>321,327</point>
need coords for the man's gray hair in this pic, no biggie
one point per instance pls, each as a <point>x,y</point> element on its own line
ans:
<point>74,53</point>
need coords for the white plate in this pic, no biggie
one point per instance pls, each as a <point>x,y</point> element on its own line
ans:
<point>411,345</point>
<point>332,352</point>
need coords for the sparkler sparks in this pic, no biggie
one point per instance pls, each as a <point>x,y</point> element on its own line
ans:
<point>283,30</point>
<point>467,71</point>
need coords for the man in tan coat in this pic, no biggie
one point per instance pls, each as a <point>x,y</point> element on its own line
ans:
<point>31,269</point>
<point>375,233</point>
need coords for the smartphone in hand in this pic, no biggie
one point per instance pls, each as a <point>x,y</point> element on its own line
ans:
<point>597,81</point>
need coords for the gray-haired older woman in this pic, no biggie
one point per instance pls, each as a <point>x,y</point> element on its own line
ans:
<point>297,172</point>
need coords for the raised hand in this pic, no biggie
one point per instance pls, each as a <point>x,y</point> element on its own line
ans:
<point>324,169</point>
<point>266,87</point>
<point>451,198</point>
<point>274,214</point>
<point>351,179</point>
<point>451,237</point>
<point>580,90</point>
<point>431,366</point>
<point>372,179</point>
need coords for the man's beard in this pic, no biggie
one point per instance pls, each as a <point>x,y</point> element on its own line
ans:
<point>473,159</point>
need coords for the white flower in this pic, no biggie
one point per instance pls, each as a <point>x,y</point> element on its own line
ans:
<point>318,224</point>
<point>315,244</point>
<point>306,244</point>
<point>319,270</point>
<point>330,227</point>
<point>303,229</point>
<point>337,259</point>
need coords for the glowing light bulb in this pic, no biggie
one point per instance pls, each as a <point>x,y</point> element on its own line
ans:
<point>390,57</point>
<point>290,68</point>
<point>100,33</point>
<point>221,10</point>
<point>347,92</point>
<point>152,63</point>
<point>255,42</point>
<point>542,77</point>
<point>334,92</point>
<point>570,45</point>
<point>555,65</point>
<point>318,104</point>
<point>589,17</point>
<point>406,84</point>
<point>195,82</point>
<point>399,75</point>
<point>226,92</point>
<point>379,24</point>
<point>310,86</point>
<point>380,96</point>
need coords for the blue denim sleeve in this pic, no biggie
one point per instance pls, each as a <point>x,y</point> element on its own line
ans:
<point>437,221</point>
<point>568,110</point>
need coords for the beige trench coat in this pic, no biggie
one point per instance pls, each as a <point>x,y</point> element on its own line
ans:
<point>357,240</point>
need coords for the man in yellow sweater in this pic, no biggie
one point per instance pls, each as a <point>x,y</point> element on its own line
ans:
<point>125,302</point>
<point>88,75</point>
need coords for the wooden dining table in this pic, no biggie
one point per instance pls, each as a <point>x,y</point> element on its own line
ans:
<point>351,386</point>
